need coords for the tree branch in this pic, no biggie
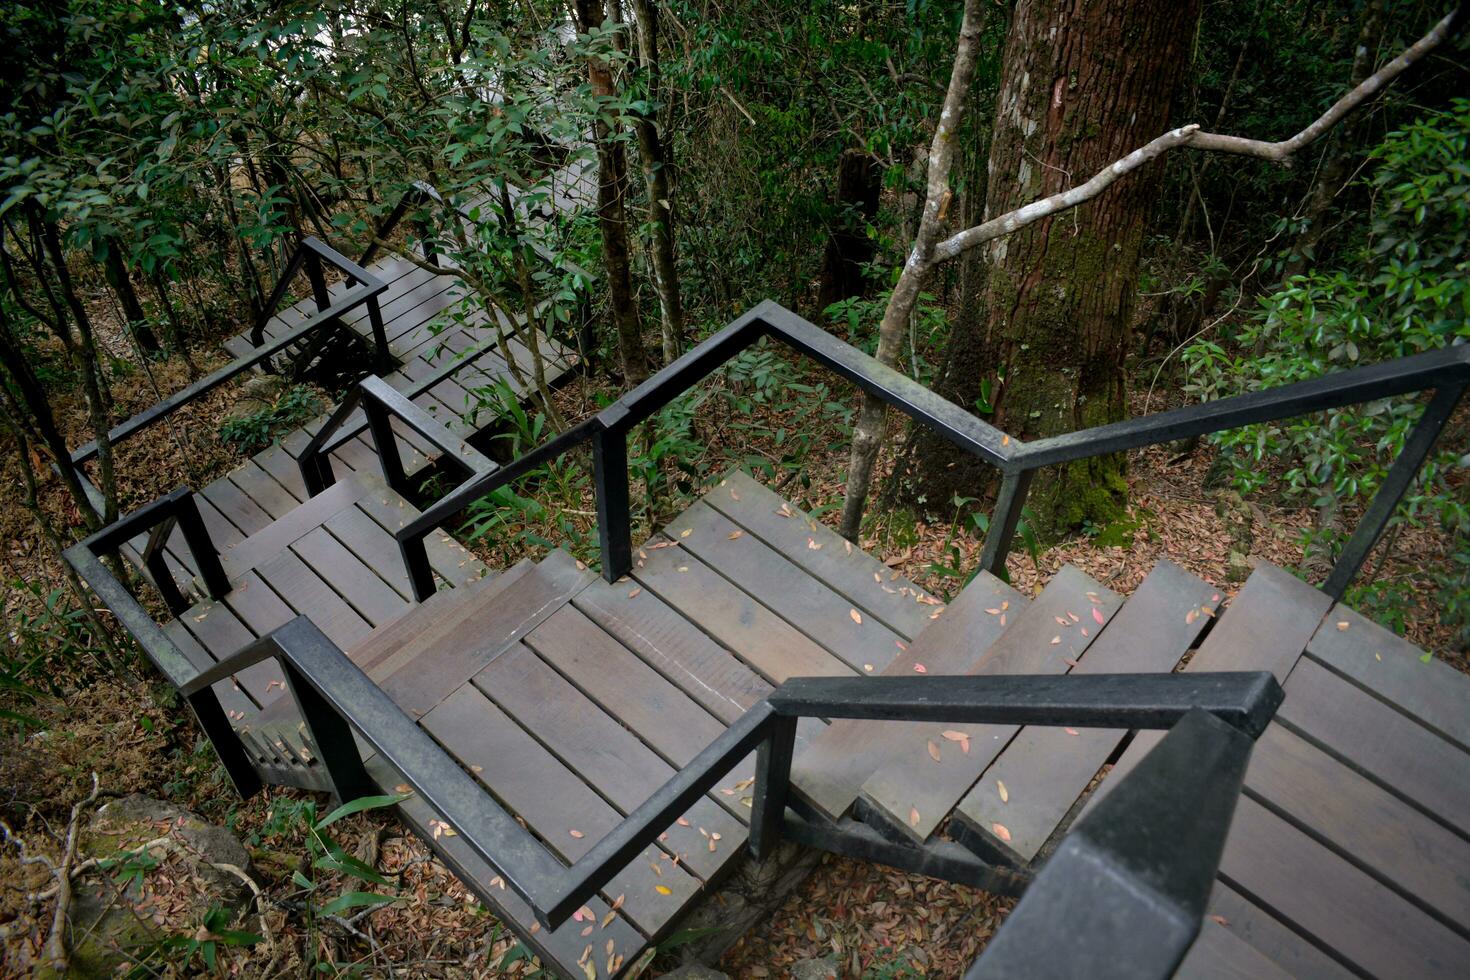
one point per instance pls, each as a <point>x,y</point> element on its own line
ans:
<point>1191,136</point>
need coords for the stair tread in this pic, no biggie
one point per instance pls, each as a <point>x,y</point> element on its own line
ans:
<point>1045,768</point>
<point>828,775</point>
<point>912,793</point>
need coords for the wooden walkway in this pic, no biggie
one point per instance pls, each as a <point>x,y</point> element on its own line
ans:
<point>571,700</point>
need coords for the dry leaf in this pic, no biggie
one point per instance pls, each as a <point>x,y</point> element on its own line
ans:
<point>1097,615</point>
<point>993,612</point>
<point>1055,640</point>
<point>734,534</point>
<point>848,546</point>
<point>934,750</point>
<point>1001,832</point>
<point>577,834</point>
<point>920,669</point>
<point>1191,616</point>
<point>1342,625</point>
<point>857,617</point>
<point>811,544</point>
<point>663,889</point>
<point>868,668</point>
<point>686,532</point>
<point>1005,796</point>
<point>1070,731</point>
<point>634,593</point>
<point>913,816</point>
<point>1219,920</point>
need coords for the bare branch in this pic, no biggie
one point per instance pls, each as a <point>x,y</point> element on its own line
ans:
<point>1192,137</point>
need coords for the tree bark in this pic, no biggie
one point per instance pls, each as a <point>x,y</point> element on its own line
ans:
<point>122,285</point>
<point>612,218</point>
<point>655,154</point>
<point>849,249</point>
<point>1082,84</point>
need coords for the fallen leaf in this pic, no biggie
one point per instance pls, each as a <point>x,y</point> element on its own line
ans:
<point>587,931</point>
<point>920,669</point>
<point>734,534</point>
<point>868,668</point>
<point>934,750</point>
<point>634,593</point>
<point>682,822</point>
<point>811,544</point>
<point>1055,640</point>
<point>1005,796</point>
<point>1070,731</point>
<point>1342,625</point>
<point>848,546</point>
<point>663,889</point>
<point>857,617</point>
<point>1001,832</point>
<point>993,612</point>
<point>403,788</point>
<point>955,736</point>
<point>913,816</point>
<point>1002,619</point>
<point>686,532</point>
<point>1073,616</point>
<point>577,834</point>
<point>1097,615</point>
<point>1219,920</point>
<point>1061,620</point>
<point>683,568</point>
<point>1191,616</point>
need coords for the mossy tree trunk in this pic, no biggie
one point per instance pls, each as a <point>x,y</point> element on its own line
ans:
<point>1083,84</point>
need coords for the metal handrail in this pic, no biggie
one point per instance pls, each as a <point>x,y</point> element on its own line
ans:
<point>1446,371</point>
<point>335,696</point>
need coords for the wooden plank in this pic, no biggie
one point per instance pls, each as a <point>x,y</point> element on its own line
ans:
<point>1321,895</point>
<point>304,591</point>
<point>607,756</point>
<point>222,532</point>
<point>450,560</point>
<point>674,647</point>
<point>270,540</point>
<point>372,545</point>
<point>237,704</point>
<point>1219,954</point>
<point>828,775</point>
<point>484,632</point>
<point>1423,861</point>
<point>758,636</point>
<point>1392,668</point>
<point>281,465</point>
<point>804,602</point>
<point>876,590</point>
<point>912,792</point>
<point>218,630</point>
<point>556,805</point>
<point>1045,769</point>
<point>263,490</point>
<point>374,599</point>
<point>565,947</point>
<point>1379,742</point>
<point>1266,626</point>
<point>1272,938</point>
<point>236,505</point>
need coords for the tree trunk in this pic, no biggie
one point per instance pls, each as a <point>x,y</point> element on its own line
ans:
<point>654,152</point>
<point>1083,83</point>
<point>122,286</point>
<point>849,248</point>
<point>612,218</point>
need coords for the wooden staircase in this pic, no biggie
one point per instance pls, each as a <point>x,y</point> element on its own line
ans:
<point>571,700</point>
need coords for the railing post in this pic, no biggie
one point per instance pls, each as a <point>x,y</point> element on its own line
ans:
<point>381,426</point>
<point>416,563</point>
<point>201,546</point>
<point>293,266</point>
<point>381,354</point>
<point>163,579</point>
<point>318,280</point>
<point>1003,520</point>
<point>610,476</point>
<point>1395,484</point>
<point>329,732</point>
<point>227,745</point>
<point>772,783</point>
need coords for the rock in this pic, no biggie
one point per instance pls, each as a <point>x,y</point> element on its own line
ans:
<point>1238,567</point>
<point>109,913</point>
<point>695,971</point>
<point>257,394</point>
<point>817,969</point>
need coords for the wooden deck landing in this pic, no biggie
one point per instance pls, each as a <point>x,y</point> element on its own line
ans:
<point>571,700</point>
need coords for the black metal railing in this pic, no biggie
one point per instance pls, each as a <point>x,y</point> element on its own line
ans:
<point>310,254</point>
<point>1446,372</point>
<point>335,697</point>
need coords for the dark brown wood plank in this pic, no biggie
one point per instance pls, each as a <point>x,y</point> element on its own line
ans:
<point>237,704</point>
<point>1425,862</point>
<point>556,805</point>
<point>221,530</point>
<point>430,671</point>
<point>1266,626</point>
<point>1379,742</point>
<point>1392,668</point>
<point>219,631</point>
<point>563,947</point>
<point>758,636</point>
<point>1219,954</point>
<point>607,756</point>
<point>1321,895</point>
<point>304,591</point>
<point>785,588</point>
<point>1272,938</point>
<point>372,545</point>
<point>1045,769</point>
<point>374,599</point>
<point>270,540</point>
<point>912,792</point>
<point>263,490</point>
<point>674,647</point>
<point>281,465</point>
<point>876,590</point>
<point>829,773</point>
<point>450,560</point>
<point>236,505</point>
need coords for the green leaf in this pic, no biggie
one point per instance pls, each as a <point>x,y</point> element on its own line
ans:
<point>359,805</point>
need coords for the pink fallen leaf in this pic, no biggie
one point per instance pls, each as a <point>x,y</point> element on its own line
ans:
<point>913,816</point>
<point>1001,832</point>
<point>920,669</point>
<point>1097,615</point>
<point>857,617</point>
<point>934,750</point>
<point>1070,731</point>
<point>1055,640</point>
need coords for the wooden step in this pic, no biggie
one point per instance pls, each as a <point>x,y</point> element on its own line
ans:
<point>1045,769</point>
<point>829,774</point>
<point>913,793</point>
<point>283,531</point>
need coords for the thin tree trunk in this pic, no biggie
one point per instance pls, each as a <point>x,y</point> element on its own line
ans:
<point>654,152</point>
<point>612,218</point>
<point>122,284</point>
<point>867,436</point>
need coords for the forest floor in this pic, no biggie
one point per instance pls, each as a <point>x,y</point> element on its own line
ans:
<point>871,920</point>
